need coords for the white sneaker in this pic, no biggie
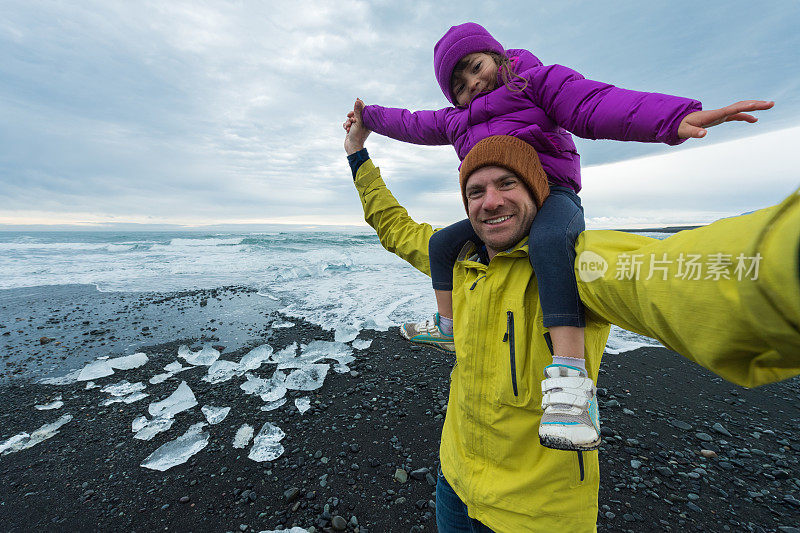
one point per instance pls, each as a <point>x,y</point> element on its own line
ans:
<point>429,333</point>
<point>570,420</point>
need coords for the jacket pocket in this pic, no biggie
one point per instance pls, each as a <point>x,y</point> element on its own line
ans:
<point>509,338</point>
<point>512,380</point>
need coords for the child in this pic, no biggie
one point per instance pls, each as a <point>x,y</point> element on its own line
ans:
<point>509,92</point>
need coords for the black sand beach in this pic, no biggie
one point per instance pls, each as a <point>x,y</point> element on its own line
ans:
<point>683,449</point>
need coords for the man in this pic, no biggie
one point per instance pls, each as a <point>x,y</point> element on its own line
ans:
<point>494,473</point>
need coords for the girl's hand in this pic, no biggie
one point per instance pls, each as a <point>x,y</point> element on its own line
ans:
<point>351,116</point>
<point>695,124</point>
<point>357,133</point>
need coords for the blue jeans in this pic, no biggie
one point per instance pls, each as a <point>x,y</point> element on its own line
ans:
<point>551,251</point>
<point>451,513</point>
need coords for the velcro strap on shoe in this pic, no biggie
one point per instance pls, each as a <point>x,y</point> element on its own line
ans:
<point>569,382</point>
<point>571,397</point>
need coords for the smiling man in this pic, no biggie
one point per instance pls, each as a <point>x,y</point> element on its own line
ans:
<point>495,475</point>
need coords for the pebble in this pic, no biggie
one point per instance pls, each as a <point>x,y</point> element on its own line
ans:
<point>719,428</point>
<point>291,494</point>
<point>708,454</point>
<point>635,464</point>
<point>400,475</point>
<point>694,507</point>
<point>664,471</point>
<point>420,473</point>
<point>184,499</point>
<point>705,437</point>
<point>338,523</point>
<point>680,424</point>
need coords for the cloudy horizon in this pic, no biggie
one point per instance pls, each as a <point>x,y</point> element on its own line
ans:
<point>222,113</point>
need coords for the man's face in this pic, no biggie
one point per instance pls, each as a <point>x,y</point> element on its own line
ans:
<point>501,209</point>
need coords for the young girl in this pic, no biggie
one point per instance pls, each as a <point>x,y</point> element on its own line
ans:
<point>510,92</point>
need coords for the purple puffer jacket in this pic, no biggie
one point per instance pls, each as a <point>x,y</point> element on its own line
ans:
<point>556,100</point>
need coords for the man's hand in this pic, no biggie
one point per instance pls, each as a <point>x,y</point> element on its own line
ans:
<point>357,133</point>
<point>695,124</point>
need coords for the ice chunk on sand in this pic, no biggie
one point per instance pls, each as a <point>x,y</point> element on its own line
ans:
<point>316,351</point>
<point>302,404</point>
<point>95,370</point>
<point>362,344</point>
<point>175,367</point>
<point>266,445</point>
<point>160,378</point>
<point>309,377</point>
<point>269,390</point>
<point>123,388</point>
<point>15,443</point>
<point>171,369</point>
<point>178,451</point>
<point>287,354</point>
<point>221,370</point>
<point>215,415</point>
<point>128,362</point>
<point>205,357</point>
<point>55,404</point>
<point>91,385</point>
<point>139,423</point>
<point>67,379</point>
<point>130,398</point>
<point>253,359</point>
<point>23,441</point>
<point>295,529</point>
<point>341,369</point>
<point>271,406</point>
<point>281,324</point>
<point>338,351</point>
<point>345,333</point>
<point>180,400</point>
<point>151,428</point>
<point>243,436</point>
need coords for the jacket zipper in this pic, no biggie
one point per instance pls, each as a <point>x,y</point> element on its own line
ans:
<point>509,337</point>
<point>476,282</point>
<point>580,463</point>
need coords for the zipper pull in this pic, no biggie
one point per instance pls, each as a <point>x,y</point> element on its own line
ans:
<point>476,282</point>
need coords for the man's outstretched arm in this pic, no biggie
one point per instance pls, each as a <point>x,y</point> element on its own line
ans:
<point>726,295</point>
<point>397,231</point>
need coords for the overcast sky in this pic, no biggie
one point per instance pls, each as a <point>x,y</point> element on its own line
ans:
<point>230,112</point>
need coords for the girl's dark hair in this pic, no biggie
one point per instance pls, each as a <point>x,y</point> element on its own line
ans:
<point>515,82</point>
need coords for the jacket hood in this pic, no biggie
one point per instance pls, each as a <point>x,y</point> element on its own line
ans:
<point>458,42</point>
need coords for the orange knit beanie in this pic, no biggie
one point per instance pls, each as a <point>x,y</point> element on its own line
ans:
<point>510,153</point>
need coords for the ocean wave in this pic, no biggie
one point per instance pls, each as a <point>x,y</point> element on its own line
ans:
<point>206,242</point>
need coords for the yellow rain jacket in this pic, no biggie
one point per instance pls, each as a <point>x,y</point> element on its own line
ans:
<point>746,331</point>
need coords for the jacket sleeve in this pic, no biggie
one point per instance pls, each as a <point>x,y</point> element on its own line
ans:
<point>726,296</point>
<point>596,110</point>
<point>396,230</point>
<point>419,127</point>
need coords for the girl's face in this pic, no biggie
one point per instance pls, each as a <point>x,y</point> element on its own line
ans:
<point>478,75</point>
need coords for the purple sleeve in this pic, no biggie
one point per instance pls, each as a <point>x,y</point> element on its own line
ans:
<point>596,110</point>
<point>420,127</point>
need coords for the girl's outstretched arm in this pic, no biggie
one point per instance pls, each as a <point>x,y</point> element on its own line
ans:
<point>419,127</point>
<point>695,124</point>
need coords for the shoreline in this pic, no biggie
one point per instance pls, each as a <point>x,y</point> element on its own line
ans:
<point>658,411</point>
